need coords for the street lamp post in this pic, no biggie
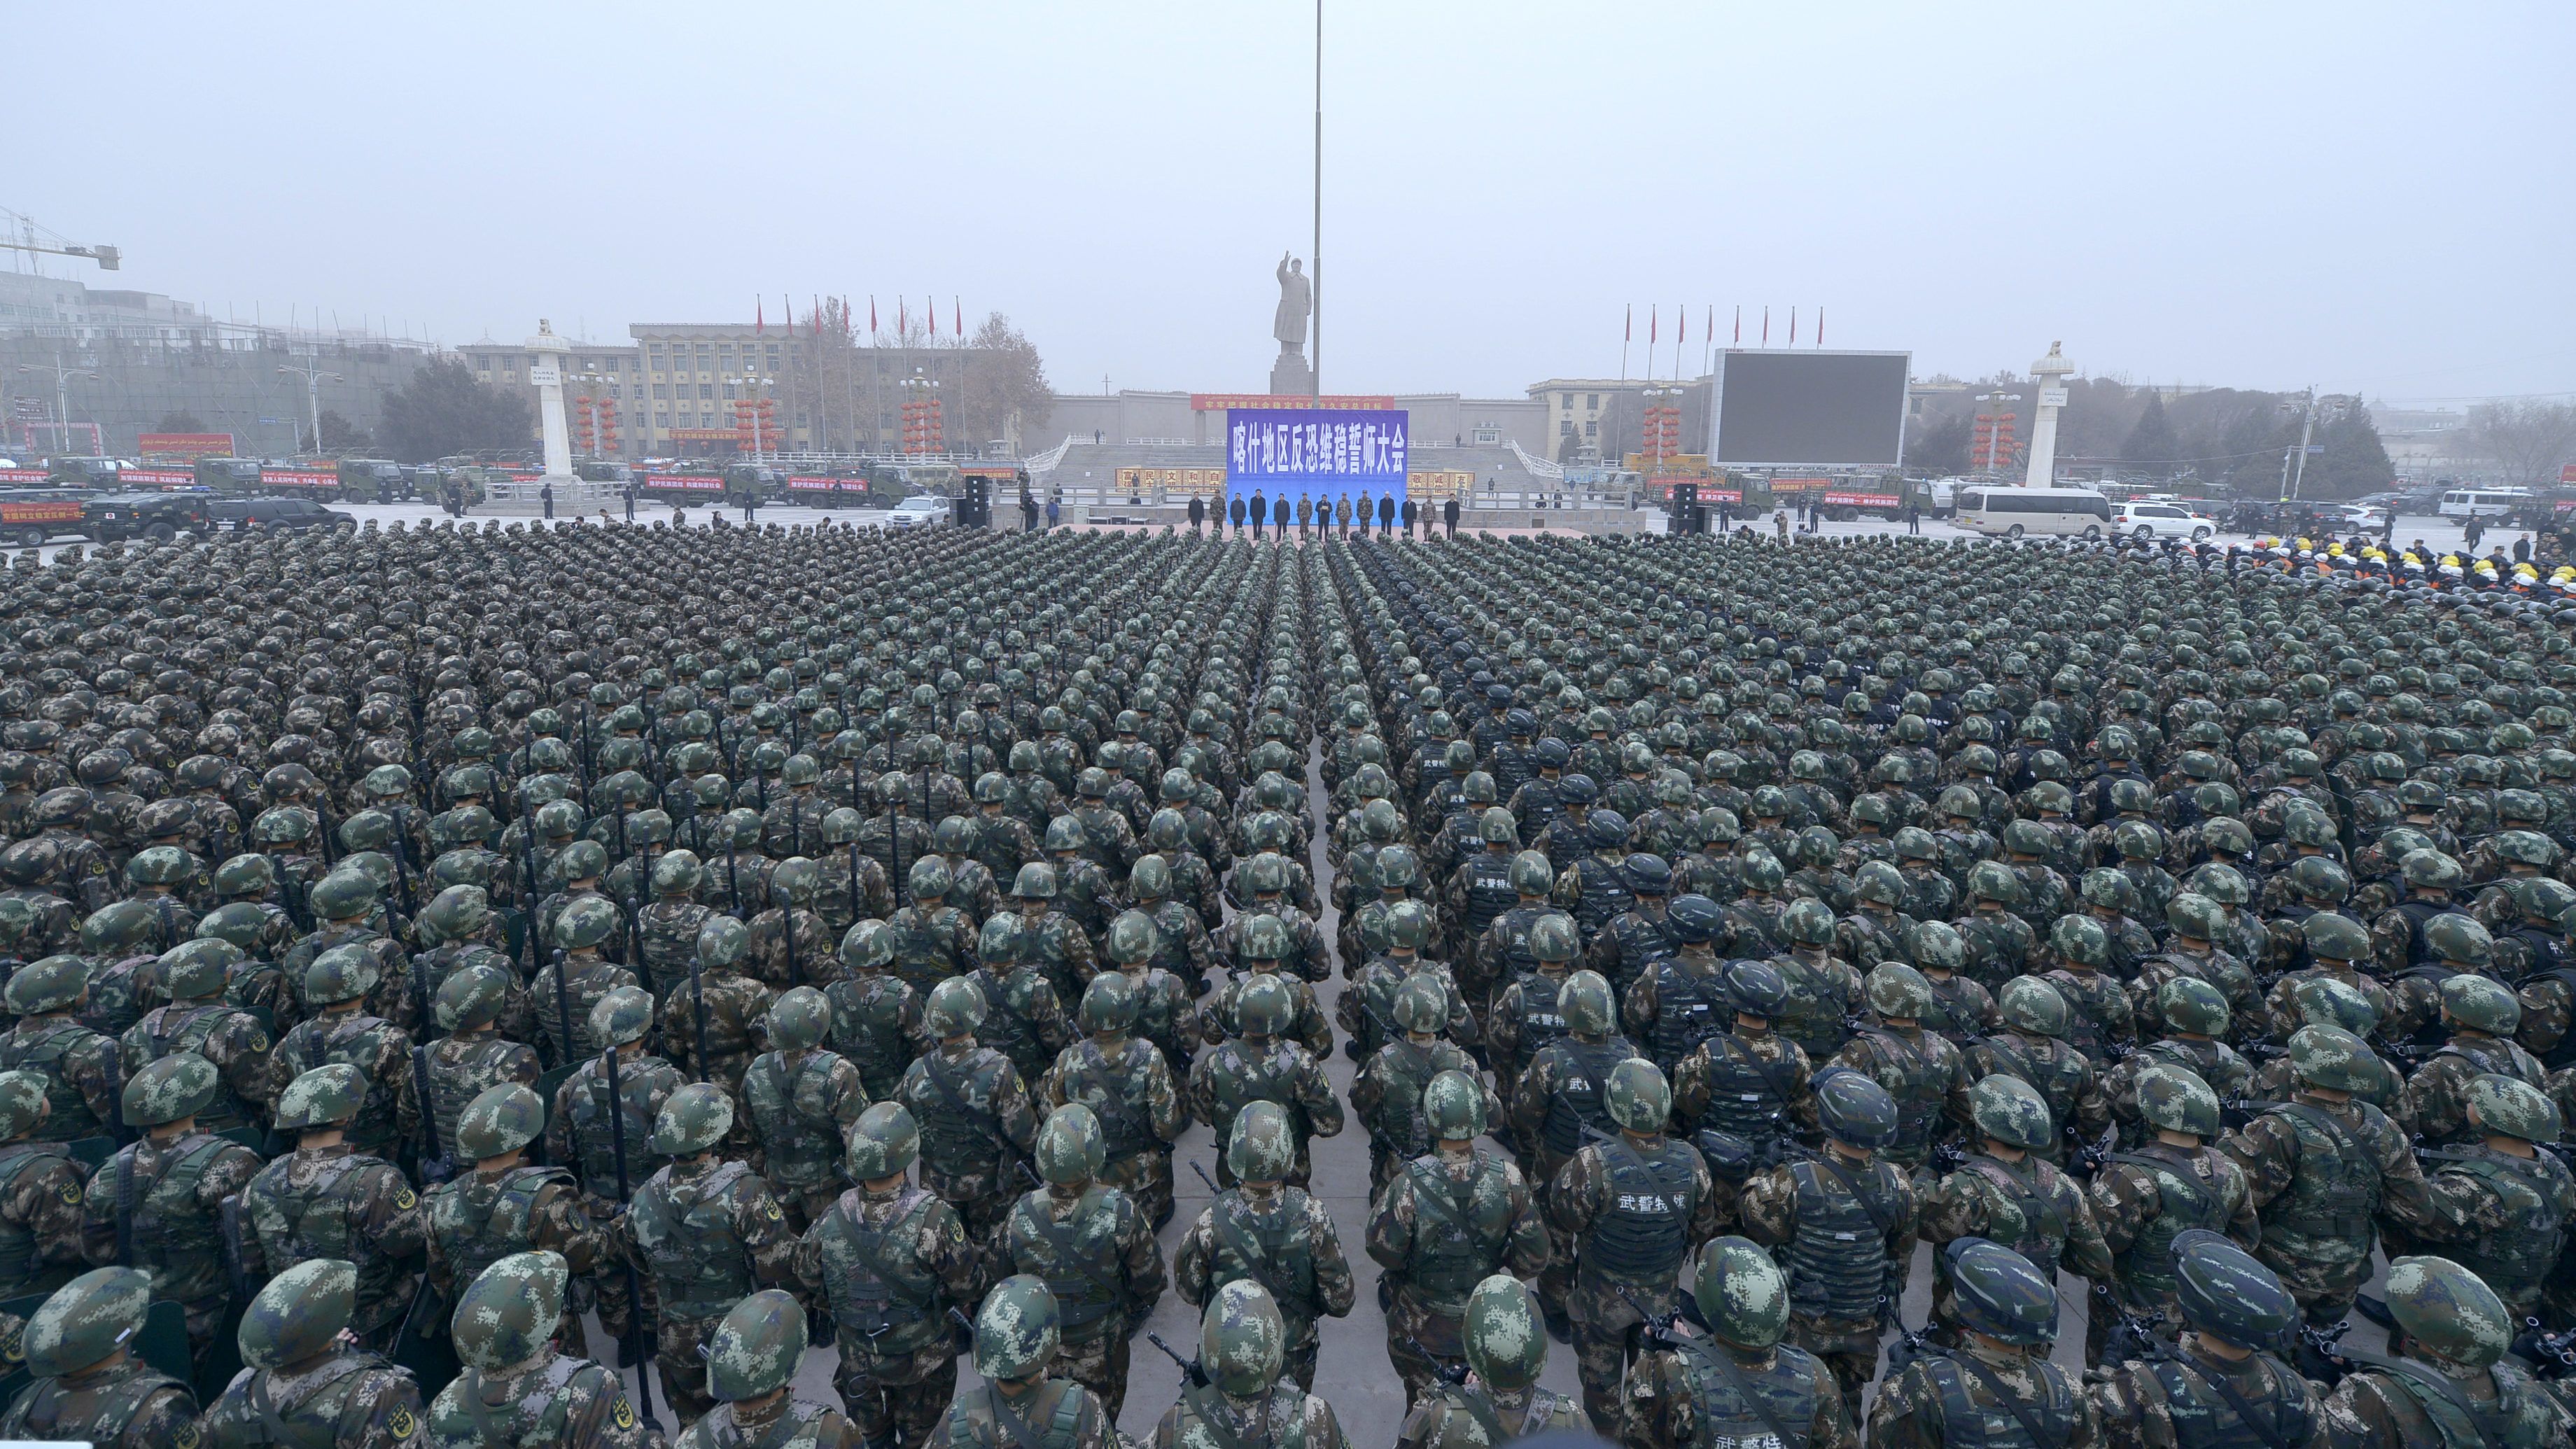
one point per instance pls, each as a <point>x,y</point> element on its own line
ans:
<point>312,373</point>
<point>751,386</point>
<point>63,374</point>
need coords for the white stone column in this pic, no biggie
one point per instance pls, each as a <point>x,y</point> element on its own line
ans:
<point>2049,374</point>
<point>545,370</point>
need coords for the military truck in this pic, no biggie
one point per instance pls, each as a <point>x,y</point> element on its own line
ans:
<point>236,477</point>
<point>373,480</point>
<point>82,472</point>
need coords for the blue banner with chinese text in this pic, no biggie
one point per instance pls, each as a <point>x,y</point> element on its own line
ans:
<point>1320,453</point>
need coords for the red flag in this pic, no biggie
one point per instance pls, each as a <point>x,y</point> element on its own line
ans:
<point>1654,311</point>
<point>957,316</point>
<point>759,323</point>
<point>1793,326</point>
<point>1681,325</point>
<point>930,316</point>
<point>1630,335</point>
<point>1739,325</point>
<point>872,314</point>
<point>1766,326</point>
<point>902,323</point>
<point>1709,332</point>
<point>1820,326</point>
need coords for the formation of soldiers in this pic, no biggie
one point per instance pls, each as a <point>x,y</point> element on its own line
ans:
<point>421,945</point>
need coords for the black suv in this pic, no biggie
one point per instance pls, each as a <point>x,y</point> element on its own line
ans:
<point>157,516</point>
<point>245,514</point>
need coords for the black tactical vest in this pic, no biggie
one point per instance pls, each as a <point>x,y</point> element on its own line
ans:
<point>1837,1262</point>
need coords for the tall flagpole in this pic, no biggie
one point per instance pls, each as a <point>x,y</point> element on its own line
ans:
<point>1315,269</point>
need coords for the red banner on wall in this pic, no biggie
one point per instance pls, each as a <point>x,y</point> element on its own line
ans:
<point>1860,500</point>
<point>298,478</point>
<point>1217,402</point>
<point>158,477</point>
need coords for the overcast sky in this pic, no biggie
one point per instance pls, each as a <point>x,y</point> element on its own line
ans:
<point>2366,197</point>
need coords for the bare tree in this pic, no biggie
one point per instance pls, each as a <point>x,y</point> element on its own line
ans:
<point>1004,376</point>
<point>2529,441</point>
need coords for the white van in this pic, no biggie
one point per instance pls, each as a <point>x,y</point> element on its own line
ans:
<point>2011,512</point>
<point>2483,502</point>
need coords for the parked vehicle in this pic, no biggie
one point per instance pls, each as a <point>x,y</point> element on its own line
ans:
<point>83,472</point>
<point>160,517</point>
<point>921,510</point>
<point>30,516</point>
<point>1994,509</point>
<point>2466,503</point>
<point>373,480</point>
<point>287,514</point>
<point>239,477</point>
<point>2142,518</point>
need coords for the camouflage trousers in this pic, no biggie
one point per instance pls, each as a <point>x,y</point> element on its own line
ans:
<point>1848,1348</point>
<point>895,1400</point>
<point>804,1206</point>
<point>608,1287</point>
<point>1098,1363</point>
<point>2325,1290</point>
<point>1556,1280</point>
<point>1146,1178</point>
<point>1601,1358</point>
<point>1421,1343</point>
<point>676,1352</point>
<point>1299,1362</point>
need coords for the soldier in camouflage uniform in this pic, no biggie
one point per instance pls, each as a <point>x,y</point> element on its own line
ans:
<point>2482,1016</point>
<point>40,1193</point>
<point>1017,1339</point>
<point>1128,1087</point>
<point>2323,1002</point>
<point>1244,1343</point>
<point>458,929</point>
<point>1679,1001</point>
<point>342,1030</point>
<point>1453,1217</point>
<point>2170,1184</point>
<point>2032,1048</point>
<point>2195,1016</point>
<point>713,1019</point>
<point>1845,1221</point>
<point>2007,1313</point>
<point>1503,953</point>
<point>752,1360</point>
<point>471,1059</point>
<point>1024,1019</point>
<point>578,976</point>
<point>1922,1071</point>
<point>708,1233</point>
<point>1746,1079</point>
<point>888,1262</point>
<point>1050,940</point>
<point>505,1206</point>
<point>2446,1380</point>
<point>932,939</point>
<point>2334,944</point>
<point>345,906</point>
<point>791,945</point>
<point>1261,951</point>
<point>161,1209</point>
<point>2323,1168</point>
<point>197,1020</point>
<point>582,1135</point>
<point>1366,1010</point>
<point>2100,1020</point>
<point>88,1385</point>
<point>2220,1379</point>
<point>974,1111</point>
<point>2502,1205</point>
<point>876,1015</point>
<point>518,1387</point>
<point>1265,1231</point>
<point>1093,1247</point>
<point>1635,1203</point>
<point>2007,1193</point>
<point>667,926</point>
<point>1166,1014</point>
<point>802,1098</point>
<point>1262,1065</point>
<point>1506,1348</point>
<point>298,1374</point>
<point>1386,1094</point>
<point>1962,1008</point>
<point>323,1201</point>
<point>78,1066</point>
<point>1742,1378</point>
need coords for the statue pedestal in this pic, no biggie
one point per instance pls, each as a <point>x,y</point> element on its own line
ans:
<point>1290,376</point>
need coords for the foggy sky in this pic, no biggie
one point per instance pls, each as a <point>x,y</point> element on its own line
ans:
<point>2365,197</point>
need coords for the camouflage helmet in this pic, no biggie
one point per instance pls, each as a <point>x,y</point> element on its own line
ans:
<point>1898,992</point>
<point>1693,919</point>
<point>85,1320</point>
<point>799,1019</point>
<point>2448,1312</point>
<point>343,895</point>
<point>1506,1340</point>
<point>883,1142</point>
<point>2031,1005</point>
<point>694,1120</point>
<point>499,1121</point>
<point>2012,1112</point>
<point>623,1015</point>
<point>930,880</point>
<point>2191,1005</point>
<point>472,996</point>
<point>22,1104</point>
<point>2227,1294</point>
<point>2324,1001</point>
<point>343,973</point>
<point>1754,988</point>
<point>1999,1293</point>
<point>195,970</point>
<point>722,942</point>
<point>1420,1004</point>
<point>1133,937</point>
<point>1109,1004</point>
<point>867,947</point>
<point>2080,941</point>
<point>1070,1147</point>
<point>1035,882</point>
<point>1150,878</point>
<point>1808,922</point>
<point>955,1008</point>
<point>2175,1099</point>
<point>1585,1003</point>
<point>52,984</point>
<point>1855,1110</point>
<point>760,1342</point>
<point>118,929</point>
<point>1496,827</point>
<point>997,944</point>
<point>160,865</point>
<point>508,1315</point>
<point>299,1313</point>
<point>1454,1105</point>
<point>678,873</point>
<point>2429,869</point>
<point>1553,938</point>
<point>2332,936</point>
<point>2332,1058</point>
<point>2505,1106</point>
<point>1638,1097</point>
<point>1018,1329</point>
<point>1242,1339</point>
<point>1742,1295</point>
<point>2458,940</point>
<point>329,1095</point>
<point>1266,1006</point>
<point>245,876</point>
<point>582,860</point>
<point>1531,875</point>
<point>2479,1003</point>
<point>457,913</point>
<point>177,1086</point>
<point>1936,946</point>
<point>1262,1147</point>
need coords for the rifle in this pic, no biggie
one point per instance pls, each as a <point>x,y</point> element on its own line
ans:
<point>1661,1329</point>
<point>1948,1157</point>
<point>1450,1370</point>
<point>528,877</point>
<point>2131,1335</point>
<point>787,930</point>
<point>435,1165</point>
<point>633,1347</point>
<point>125,1209</point>
<point>1192,1375</point>
<point>236,1268</point>
<point>698,990</point>
<point>856,914</point>
<point>2319,1352</point>
<point>2089,1156</point>
<point>2551,1355</point>
<point>563,1008</point>
<point>733,874</point>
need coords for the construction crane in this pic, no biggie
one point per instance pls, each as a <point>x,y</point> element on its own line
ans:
<point>19,233</point>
